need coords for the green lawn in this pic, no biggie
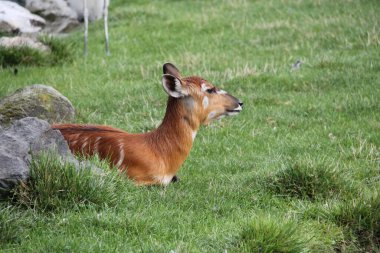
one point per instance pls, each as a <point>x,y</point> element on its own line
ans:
<point>297,171</point>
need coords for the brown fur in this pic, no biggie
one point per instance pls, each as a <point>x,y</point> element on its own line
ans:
<point>153,157</point>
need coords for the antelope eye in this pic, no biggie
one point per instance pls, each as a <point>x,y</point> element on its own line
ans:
<point>211,90</point>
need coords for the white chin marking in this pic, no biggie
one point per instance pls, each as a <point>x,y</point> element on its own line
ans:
<point>193,134</point>
<point>205,102</point>
<point>232,113</point>
<point>239,108</point>
<point>235,112</point>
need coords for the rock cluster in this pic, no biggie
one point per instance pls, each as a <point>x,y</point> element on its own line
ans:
<point>58,14</point>
<point>16,19</point>
<point>21,141</point>
<point>22,42</point>
<point>39,101</point>
<point>23,137</point>
<point>53,16</point>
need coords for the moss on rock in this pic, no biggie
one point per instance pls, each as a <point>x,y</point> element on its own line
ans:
<point>39,101</point>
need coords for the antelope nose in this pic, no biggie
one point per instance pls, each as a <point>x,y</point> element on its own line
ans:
<point>240,103</point>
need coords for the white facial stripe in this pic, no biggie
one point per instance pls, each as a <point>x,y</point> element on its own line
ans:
<point>205,102</point>
<point>221,92</point>
<point>204,87</point>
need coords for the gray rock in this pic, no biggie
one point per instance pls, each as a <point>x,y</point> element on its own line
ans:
<point>58,14</point>
<point>16,149</point>
<point>53,16</point>
<point>61,25</point>
<point>39,101</point>
<point>14,18</point>
<point>24,139</point>
<point>20,2</point>
<point>51,9</point>
<point>21,41</point>
<point>12,171</point>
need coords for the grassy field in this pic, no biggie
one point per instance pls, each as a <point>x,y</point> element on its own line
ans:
<point>297,171</point>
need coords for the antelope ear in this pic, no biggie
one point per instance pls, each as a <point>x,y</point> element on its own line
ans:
<point>170,69</point>
<point>173,86</point>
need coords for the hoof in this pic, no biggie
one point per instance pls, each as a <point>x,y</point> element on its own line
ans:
<point>175,179</point>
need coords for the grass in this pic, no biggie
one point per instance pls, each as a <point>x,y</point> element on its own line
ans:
<point>60,52</point>
<point>360,216</point>
<point>268,234</point>
<point>55,185</point>
<point>8,224</point>
<point>299,165</point>
<point>308,181</point>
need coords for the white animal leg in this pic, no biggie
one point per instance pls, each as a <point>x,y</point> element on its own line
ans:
<point>105,15</point>
<point>85,15</point>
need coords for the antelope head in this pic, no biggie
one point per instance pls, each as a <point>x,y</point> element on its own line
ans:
<point>203,102</point>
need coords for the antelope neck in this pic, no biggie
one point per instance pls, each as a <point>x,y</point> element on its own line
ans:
<point>178,126</point>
